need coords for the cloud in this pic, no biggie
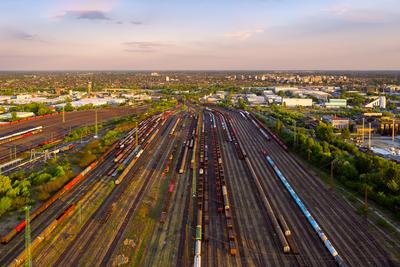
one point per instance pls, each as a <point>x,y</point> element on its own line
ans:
<point>86,14</point>
<point>243,35</point>
<point>142,46</point>
<point>20,35</point>
<point>135,22</point>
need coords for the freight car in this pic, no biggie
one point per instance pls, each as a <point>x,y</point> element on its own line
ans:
<point>20,259</point>
<point>307,214</point>
<point>183,161</point>
<point>20,134</point>
<point>21,226</point>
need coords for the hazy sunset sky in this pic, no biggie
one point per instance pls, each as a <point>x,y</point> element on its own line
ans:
<point>199,34</point>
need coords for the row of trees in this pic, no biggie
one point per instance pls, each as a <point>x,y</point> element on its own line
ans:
<point>356,170</point>
<point>37,108</point>
<point>13,193</point>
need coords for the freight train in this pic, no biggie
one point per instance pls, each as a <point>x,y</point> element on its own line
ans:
<point>306,213</point>
<point>129,138</point>
<point>5,239</point>
<point>21,258</point>
<point>20,134</point>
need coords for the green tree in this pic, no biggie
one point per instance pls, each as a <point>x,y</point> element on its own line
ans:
<point>14,116</point>
<point>346,133</point>
<point>324,132</point>
<point>5,184</point>
<point>5,205</point>
<point>242,103</point>
<point>278,126</point>
<point>68,107</point>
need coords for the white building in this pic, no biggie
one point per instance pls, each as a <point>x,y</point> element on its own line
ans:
<point>20,115</point>
<point>4,98</point>
<point>253,99</point>
<point>293,102</point>
<point>336,103</point>
<point>285,89</point>
<point>380,102</point>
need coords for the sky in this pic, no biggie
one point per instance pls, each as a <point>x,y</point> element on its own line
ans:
<point>199,35</point>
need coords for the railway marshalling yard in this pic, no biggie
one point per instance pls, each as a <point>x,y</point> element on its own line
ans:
<point>203,187</point>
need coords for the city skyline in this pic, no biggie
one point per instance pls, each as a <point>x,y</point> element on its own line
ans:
<point>189,35</point>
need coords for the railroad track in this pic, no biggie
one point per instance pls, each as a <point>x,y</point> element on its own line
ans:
<point>327,209</point>
<point>181,261</point>
<point>155,249</point>
<point>171,230</point>
<point>275,255</point>
<point>151,177</point>
<point>56,130</point>
<point>53,211</point>
<point>312,251</point>
<point>79,246</point>
<point>243,205</point>
<point>17,244</point>
<point>352,227</point>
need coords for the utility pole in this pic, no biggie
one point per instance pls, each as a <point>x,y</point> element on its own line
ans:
<point>63,114</point>
<point>393,132</point>
<point>369,135</point>
<point>28,262</point>
<point>363,129</point>
<point>95,127</point>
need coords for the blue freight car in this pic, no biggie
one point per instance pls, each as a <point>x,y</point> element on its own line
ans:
<point>309,217</point>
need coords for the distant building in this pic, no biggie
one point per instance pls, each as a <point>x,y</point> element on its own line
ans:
<point>293,102</point>
<point>21,96</point>
<point>212,100</point>
<point>336,103</point>
<point>372,114</point>
<point>340,123</point>
<point>89,89</point>
<point>380,102</point>
<point>285,89</point>
<point>20,115</point>
<point>337,122</point>
<point>167,79</point>
<point>253,99</point>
